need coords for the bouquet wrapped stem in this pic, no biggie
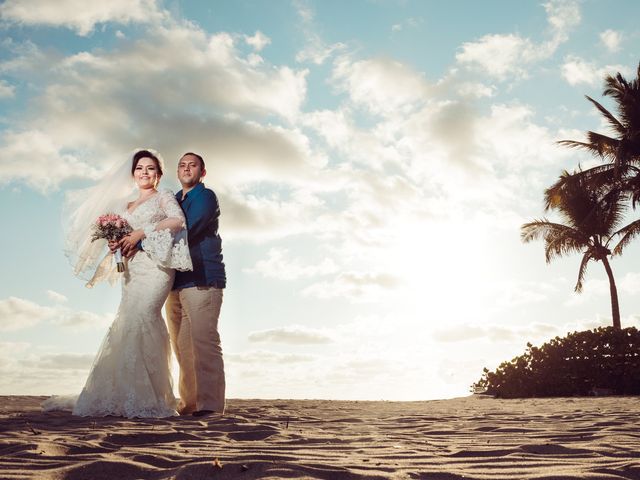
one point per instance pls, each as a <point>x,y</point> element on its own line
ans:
<point>117,255</point>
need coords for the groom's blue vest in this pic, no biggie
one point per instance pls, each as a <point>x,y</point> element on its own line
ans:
<point>200,206</point>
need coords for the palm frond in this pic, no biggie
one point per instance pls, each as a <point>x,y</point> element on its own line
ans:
<point>582,271</point>
<point>559,244</point>
<point>599,147</point>
<point>593,149</point>
<point>538,229</point>
<point>628,233</point>
<point>590,201</point>
<point>613,121</point>
<point>632,188</point>
<point>599,180</point>
<point>626,94</point>
<point>554,194</point>
<point>605,145</point>
<point>559,239</point>
<point>616,86</point>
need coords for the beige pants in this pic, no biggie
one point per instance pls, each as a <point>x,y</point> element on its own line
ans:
<point>192,315</point>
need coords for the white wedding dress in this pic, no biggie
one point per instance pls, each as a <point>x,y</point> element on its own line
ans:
<point>130,376</point>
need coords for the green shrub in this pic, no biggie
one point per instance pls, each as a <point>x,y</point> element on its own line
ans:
<point>582,363</point>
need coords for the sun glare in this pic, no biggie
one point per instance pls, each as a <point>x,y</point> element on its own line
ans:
<point>443,276</point>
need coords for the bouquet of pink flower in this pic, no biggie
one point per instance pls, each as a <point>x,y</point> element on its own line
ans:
<point>111,227</point>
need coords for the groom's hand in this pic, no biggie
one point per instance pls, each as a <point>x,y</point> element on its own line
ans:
<point>128,250</point>
<point>129,244</point>
<point>131,253</point>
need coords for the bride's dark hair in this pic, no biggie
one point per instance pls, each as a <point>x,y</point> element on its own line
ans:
<point>145,154</point>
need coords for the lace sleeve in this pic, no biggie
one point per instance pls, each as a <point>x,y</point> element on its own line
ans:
<point>166,241</point>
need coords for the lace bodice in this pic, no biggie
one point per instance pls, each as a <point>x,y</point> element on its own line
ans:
<point>155,209</point>
<point>165,228</point>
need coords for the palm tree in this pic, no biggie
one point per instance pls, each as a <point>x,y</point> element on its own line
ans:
<point>624,149</point>
<point>590,223</point>
<point>620,172</point>
<point>592,201</point>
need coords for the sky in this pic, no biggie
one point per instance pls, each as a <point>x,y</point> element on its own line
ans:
<point>374,161</point>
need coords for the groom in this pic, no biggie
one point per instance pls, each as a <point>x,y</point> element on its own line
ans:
<point>193,306</point>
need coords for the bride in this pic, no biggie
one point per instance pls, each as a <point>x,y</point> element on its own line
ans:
<point>130,376</point>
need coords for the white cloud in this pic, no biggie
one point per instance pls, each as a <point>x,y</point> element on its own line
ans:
<point>475,90</point>
<point>30,369</point>
<point>370,148</point>
<point>445,155</point>
<point>135,94</point>
<point>501,56</point>
<point>48,166</point>
<point>536,333</point>
<point>630,283</point>
<point>6,89</point>
<point>280,265</point>
<point>576,71</point>
<point>62,361</point>
<point>264,218</point>
<point>382,85</point>
<point>294,335</point>
<point>563,16</point>
<point>26,59</point>
<point>260,357</point>
<point>511,294</point>
<point>497,333</point>
<point>317,52</point>
<point>454,144</point>
<point>611,40</point>
<point>17,314</point>
<point>509,56</point>
<point>440,152</point>
<point>56,297</point>
<point>304,10</point>
<point>598,321</point>
<point>355,286</point>
<point>258,41</point>
<point>315,49</point>
<point>411,22</point>
<point>511,132</point>
<point>66,317</point>
<point>591,287</point>
<point>78,15</point>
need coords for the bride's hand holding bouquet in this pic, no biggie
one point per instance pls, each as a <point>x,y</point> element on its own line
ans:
<point>112,228</point>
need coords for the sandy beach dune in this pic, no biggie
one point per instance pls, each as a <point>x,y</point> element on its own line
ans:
<point>467,438</point>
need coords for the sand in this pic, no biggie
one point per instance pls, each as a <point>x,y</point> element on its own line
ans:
<point>472,438</point>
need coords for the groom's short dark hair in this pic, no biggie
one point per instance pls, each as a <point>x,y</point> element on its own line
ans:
<point>197,156</point>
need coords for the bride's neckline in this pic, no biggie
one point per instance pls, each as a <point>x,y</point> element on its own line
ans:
<point>130,212</point>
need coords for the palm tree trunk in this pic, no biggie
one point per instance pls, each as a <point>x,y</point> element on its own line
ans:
<point>615,307</point>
